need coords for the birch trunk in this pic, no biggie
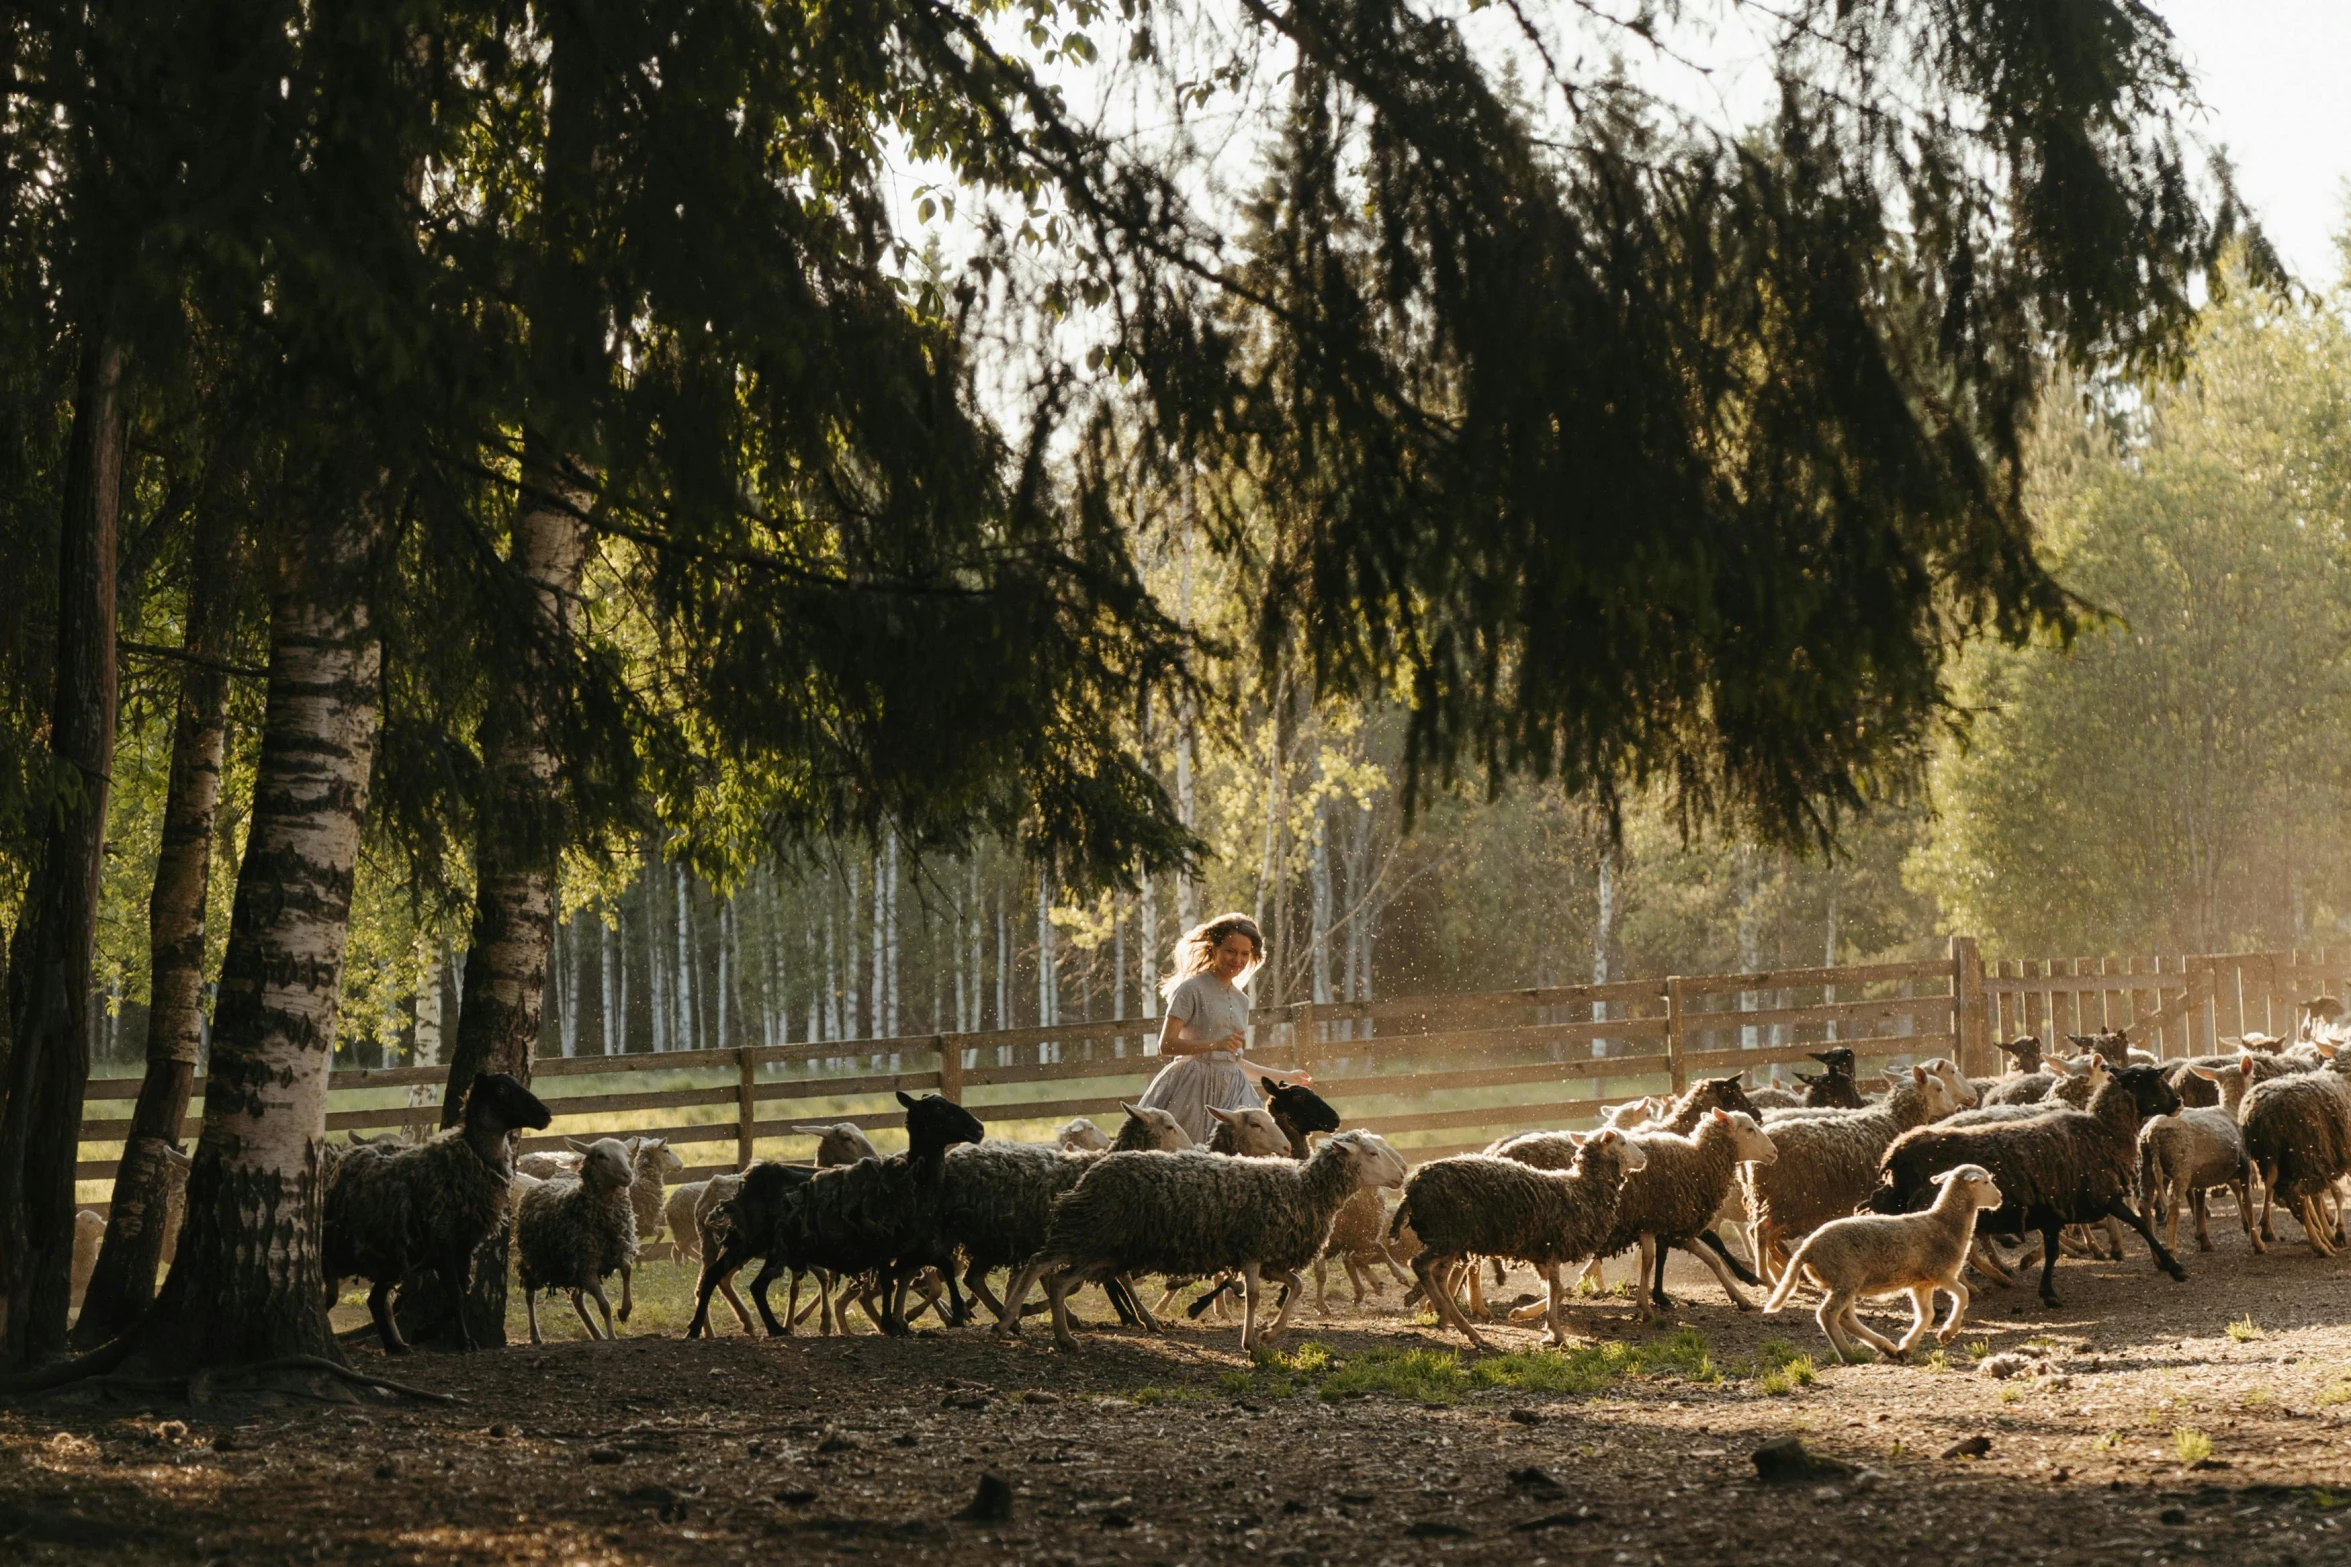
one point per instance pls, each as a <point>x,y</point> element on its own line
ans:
<point>726,941</point>
<point>1150,955</point>
<point>48,1062</point>
<point>245,1285</point>
<point>1319,939</point>
<point>607,1040</point>
<point>122,1286</point>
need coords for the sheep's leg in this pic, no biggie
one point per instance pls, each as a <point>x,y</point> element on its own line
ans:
<point>1016,1289</point>
<point>1436,1271</point>
<point>530,1307</point>
<point>1922,1317</point>
<point>603,1306</point>
<point>2049,1248</point>
<point>1723,1273</point>
<point>581,1306</point>
<point>2269,1188</point>
<point>2245,1213</point>
<point>2314,1226</point>
<point>2203,1223</point>
<point>379,1306</point>
<point>1322,1265</point>
<point>1985,1258</point>
<point>1862,1330</point>
<point>760,1281</point>
<point>1644,1295</point>
<point>1831,1317</point>
<point>1477,1293</point>
<point>2120,1208</point>
<point>1554,1300</point>
<point>2114,1232</point>
<point>627,1295</point>
<point>975,1279</point>
<point>1058,1284</point>
<point>1956,1288</point>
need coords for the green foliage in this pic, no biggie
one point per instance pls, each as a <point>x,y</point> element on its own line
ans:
<point>2193,1446</point>
<point>2243,1331</point>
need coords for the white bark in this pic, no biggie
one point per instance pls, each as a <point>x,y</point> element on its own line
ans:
<point>604,982</point>
<point>1150,940</point>
<point>1319,936</point>
<point>428,1005</point>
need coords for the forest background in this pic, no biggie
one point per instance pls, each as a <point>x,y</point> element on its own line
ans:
<point>2175,781</point>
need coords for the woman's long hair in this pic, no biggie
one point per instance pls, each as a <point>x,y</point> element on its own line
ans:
<point>1195,950</point>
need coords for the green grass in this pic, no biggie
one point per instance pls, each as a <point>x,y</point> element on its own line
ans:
<point>2243,1330</point>
<point>1441,1376</point>
<point>1158,1397</point>
<point>1980,1349</point>
<point>1938,1362</point>
<point>2192,1446</point>
<point>2108,1442</point>
<point>2339,1392</point>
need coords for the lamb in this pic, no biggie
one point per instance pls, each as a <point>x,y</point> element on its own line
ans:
<point>1827,1165</point>
<point>997,1201</point>
<point>737,1218</point>
<point>1475,1205</point>
<point>882,1215</point>
<point>1079,1135</point>
<point>1878,1254</point>
<point>572,1232</point>
<point>1248,1134</point>
<point>679,1213</point>
<point>1299,1111</point>
<point>1198,1213</point>
<point>2063,1167</point>
<point>651,1162</point>
<point>2184,1154</point>
<point>1833,1089</point>
<point>2297,1133</point>
<point>392,1210</point>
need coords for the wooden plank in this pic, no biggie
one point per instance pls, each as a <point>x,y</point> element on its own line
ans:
<point>1371,1086</point>
<point>1805,978</point>
<point>1939,1007</point>
<point>1552,1113</point>
<point>1703,1063</point>
<point>838,1087</point>
<point>746,1081</point>
<point>708,1132</point>
<point>950,1053</point>
<point>613,1104</point>
<point>1677,1062</point>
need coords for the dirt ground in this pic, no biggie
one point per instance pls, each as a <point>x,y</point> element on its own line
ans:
<point>1367,1441</point>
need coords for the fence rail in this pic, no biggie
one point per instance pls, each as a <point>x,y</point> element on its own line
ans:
<point>1439,1074</point>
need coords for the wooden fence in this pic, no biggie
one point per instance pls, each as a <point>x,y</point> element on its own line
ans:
<point>1436,1074</point>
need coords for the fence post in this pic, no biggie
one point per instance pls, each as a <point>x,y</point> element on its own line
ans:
<point>746,1076</point>
<point>950,1048</point>
<point>1305,1033</point>
<point>1673,1037</point>
<point>1969,1019</point>
<point>2202,1031</point>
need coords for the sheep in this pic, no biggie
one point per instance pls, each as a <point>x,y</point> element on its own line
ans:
<point>882,1215</point>
<point>1079,1135</point>
<point>996,1203</point>
<point>1299,1111</point>
<point>572,1232</point>
<point>1774,1097</point>
<point>1248,1134</point>
<point>1257,1134</point>
<point>1834,1088</point>
<point>2197,1091</point>
<point>738,1217</point>
<point>1827,1165</point>
<point>678,1214</point>
<point>2297,1133</point>
<point>389,1211</point>
<point>2183,1154</point>
<point>651,1162</point>
<point>89,1232</point>
<point>841,1142</point>
<point>1197,1213</point>
<point>1878,1254</point>
<point>2063,1167</point>
<point>1671,1202</point>
<point>1359,1241</point>
<point>1476,1205</point>
<point>2028,1087</point>
<point>544,1165</point>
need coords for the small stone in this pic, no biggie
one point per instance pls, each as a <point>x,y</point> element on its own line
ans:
<point>1827,1493</point>
<point>2060,1477</point>
<point>991,1503</point>
<point>1527,1417</point>
<point>501,1430</point>
<point>905,1439</point>
<point>387,1470</point>
<point>1537,1480</point>
<point>603,1455</point>
<point>1116,1520</point>
<point>2173,1515</point>
<point>1038,1395</point>
<point>1783,1460</point>
<point>655,1496</point>
<point>1555,1521</point>
<point>835,1442</point>
<point>226,1442</point>
<point>1357,1498</point>
<point>1972,1447</point>
<point>964,1401</point>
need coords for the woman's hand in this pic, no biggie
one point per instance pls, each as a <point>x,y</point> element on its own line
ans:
<point>1236,1041</point>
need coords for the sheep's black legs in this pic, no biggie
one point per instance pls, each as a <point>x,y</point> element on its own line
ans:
<point>1657,1272</point>
<point>759,1283</point>
<point>717,1263</point>
<point>1730,1259</point>
<point>2120,1208</point>
<point>2051,1243</point>
<point>379,1306</point>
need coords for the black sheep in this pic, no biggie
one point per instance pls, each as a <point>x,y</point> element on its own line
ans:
<point>391,1211</point>
<point>2063,1167</point>
<point>1835,1088</point>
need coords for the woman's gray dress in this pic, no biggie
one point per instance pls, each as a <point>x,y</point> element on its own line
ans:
<point>1189,1086</point>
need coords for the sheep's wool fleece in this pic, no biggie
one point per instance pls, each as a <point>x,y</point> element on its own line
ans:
<point>570,1237</point>
<point>1196,1213</point>
<point>997,1200</point>
<point>1477,1204</point>
<point>389,1210</point>
<point>2299,1127</point>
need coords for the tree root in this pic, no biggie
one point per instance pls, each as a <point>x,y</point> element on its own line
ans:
<point>98,1367</point>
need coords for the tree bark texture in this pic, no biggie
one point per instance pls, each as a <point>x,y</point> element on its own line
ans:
<point>123,1285</point>
<point>49,970</point>
<point>245,1284</point>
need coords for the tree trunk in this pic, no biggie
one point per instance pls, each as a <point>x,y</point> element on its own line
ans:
<point>49,970</point>
<point>1149,905</point>
<point>245,1285</point>
<point>122,1286</point>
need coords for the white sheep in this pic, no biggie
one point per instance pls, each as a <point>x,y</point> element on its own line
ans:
<point>1881,1254</point>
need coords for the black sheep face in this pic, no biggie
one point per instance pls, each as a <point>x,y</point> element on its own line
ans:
<point>1838,1060</point>
<point>505,1101</point>
<point>2150,1089</point>
<point>934,1124</point>
<point>1297,1110</point>
<point>2026,1048</point>
<point>1729,1095</point>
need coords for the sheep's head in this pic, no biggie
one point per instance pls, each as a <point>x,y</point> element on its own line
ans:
<point>1080,1135</point>
<point>1628,1154</point>
<point>500,1104</point>
<point>934,1124</point>
<point>1837,1059</point>
<point>1721,1093</point>
<point>1151,1130</point>
<point>1256,1134</point>
<point>2024,1050</point>
<point>604,1163</point>
<point>1750,1144</point>
<point>1970,1183</point>
<point>1962,1091</point>
<point>1299,1111</point>
<point>654,1156</point>
<point>2149,1088</point>
<point>843,1142</point>
<point>1374,1162</point>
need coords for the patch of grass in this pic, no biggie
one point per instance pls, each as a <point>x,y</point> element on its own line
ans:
<point>2012,1395</point>
<point>1159,1397</point>
<point>2243,1330</point>
<point>2337,1393</point>
<point>2108,1442</point>
<point>2258,1397</point>
<point>2037,1341</point>
<point>1938,1362</point>
<point>1440,1376</point>
<point>1981,1349</point>
<point>2323,1499</point>
<point>2192,1446</point>
<point>1783,1380</point>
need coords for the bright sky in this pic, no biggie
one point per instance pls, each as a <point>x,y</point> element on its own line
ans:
<point>2273,74</point>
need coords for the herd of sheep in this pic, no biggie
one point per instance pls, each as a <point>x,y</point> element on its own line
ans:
<point>1900,1194</point>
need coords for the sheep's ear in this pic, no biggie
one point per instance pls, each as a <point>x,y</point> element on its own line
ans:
<point>2206,1073</point>
<point>1918,1075</point>
<point>2245,1064</point>
<point>907,1099</point>
<point>1226,1116</point>
<point>1722,1115</point>
<point>1130,1110</point>
<point>576,1146</point>
<point>1942,1179</point>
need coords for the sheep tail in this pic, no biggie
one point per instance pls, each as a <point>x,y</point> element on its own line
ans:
<point>1789,1278</point>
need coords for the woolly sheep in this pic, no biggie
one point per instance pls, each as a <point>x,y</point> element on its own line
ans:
<point>1079,1135</point>
<point>572,1232</point>
<point>738,1217</point>
<point>1299,1111</point>
<point>2184,1154</point>
<point>1199,1213</point>
<point>2063,1167</point>
<point>390,1211</point>
<point>1248,1134</point>
<point>1878,1254</point>
<point>1358,1243</point>
<point>1827,1165</point>
<point>2298,1135</point>
<point>651,1162</point>
<point>842,1142</point>
<point>1834,1088</point>
<point>1475,1205</point>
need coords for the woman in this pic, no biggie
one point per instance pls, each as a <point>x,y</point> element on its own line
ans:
<point>1208,1025</point>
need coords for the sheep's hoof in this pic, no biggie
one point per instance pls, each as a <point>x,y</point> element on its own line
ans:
<point>2179,1274</point>
<point>1065,1344</point>
<point>624,1313</point>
